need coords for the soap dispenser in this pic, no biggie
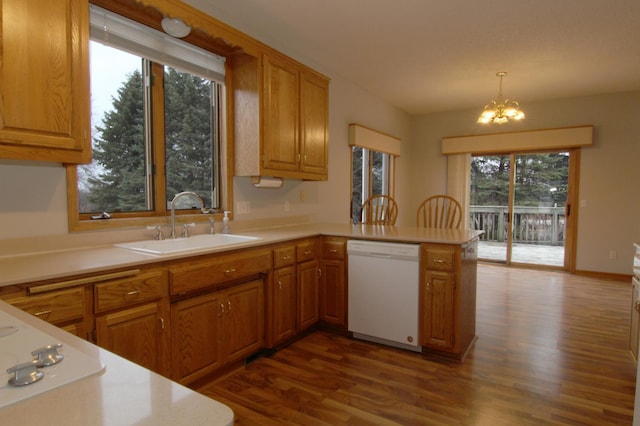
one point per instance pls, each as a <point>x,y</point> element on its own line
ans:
<point>226,229</point>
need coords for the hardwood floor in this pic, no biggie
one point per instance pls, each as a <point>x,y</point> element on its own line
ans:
<point>551,349</point>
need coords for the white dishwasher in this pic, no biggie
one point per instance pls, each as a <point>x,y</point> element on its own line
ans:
<point>384,292</point>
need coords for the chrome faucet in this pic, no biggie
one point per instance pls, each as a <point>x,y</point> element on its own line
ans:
<point>173,208</point>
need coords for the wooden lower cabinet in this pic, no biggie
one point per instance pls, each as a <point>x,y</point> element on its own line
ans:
<point>137,334</point>
<point>67,308</point>
<point>438,310</point>
<point>308,294</point>
<point>282,306</point>
<point>214,329</point>
<point>448,297</point>
<point>333,282</point>
<point>131,317</point>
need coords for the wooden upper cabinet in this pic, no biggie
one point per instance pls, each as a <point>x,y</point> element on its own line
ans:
<point>314,124</point>
<point>295,120</point>
<point>280,111</point>
<point>44,80</point>
<point>280,151</point>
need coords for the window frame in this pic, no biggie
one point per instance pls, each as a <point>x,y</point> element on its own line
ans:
<point>83,222</point>
<point>388,179</point>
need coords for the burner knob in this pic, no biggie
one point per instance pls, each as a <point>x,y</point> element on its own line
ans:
<point>48,355</point>
<point>25,373</point>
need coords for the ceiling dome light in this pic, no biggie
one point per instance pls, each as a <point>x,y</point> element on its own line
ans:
<point>175,27</point>
<point>502,110</point>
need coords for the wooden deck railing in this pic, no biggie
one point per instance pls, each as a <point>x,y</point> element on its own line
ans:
<point>532,225</point>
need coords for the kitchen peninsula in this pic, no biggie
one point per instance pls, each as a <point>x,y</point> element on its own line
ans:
<point>123,393</point>
<point>175,289</point>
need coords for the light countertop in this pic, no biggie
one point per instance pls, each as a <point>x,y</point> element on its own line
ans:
<point>123,394</point>
<point>38,266</point>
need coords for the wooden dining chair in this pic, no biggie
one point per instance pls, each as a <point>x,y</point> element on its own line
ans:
<point>379,210</point>
<point>439,211</point>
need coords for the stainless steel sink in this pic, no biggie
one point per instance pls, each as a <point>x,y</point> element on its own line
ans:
<point>195,243</point>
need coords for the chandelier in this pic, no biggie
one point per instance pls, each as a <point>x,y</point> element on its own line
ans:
<point>502,110</point>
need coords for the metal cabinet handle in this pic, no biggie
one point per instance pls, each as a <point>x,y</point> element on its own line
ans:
<point>637,306</point>
<point>333,251</point>
<point>230,271</point>
<point>47,312</point>
<point>280,285</point>
<point>229,305</point>
<point>438,260</point>
<point>132,293</point>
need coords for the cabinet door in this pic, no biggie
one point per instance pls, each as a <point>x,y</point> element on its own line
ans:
<point>308,294</point>
<point>332,292</point>
<point>280,125</point>
<point>283,305</point>
<point>44,80</point>
<point>243,320</point>
<point>314,124</point>
<point>196,325</point>
<point>437,307</point>
<point>136,334</point>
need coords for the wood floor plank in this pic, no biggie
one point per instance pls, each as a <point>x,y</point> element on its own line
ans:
<point>552,349</point>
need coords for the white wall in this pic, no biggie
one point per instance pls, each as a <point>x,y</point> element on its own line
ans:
<point>33,195</point>
<point>329,201</point>
<point>609,171</point>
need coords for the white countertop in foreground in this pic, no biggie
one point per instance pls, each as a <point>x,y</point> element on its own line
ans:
<point>24,268</point>
<point>123,394</point>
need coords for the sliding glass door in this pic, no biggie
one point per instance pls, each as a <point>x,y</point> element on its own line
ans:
<point>521,201</point>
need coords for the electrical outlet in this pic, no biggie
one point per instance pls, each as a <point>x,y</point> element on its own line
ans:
<point>287,206</point>
<point>303,195</point>
<point>613,255</point>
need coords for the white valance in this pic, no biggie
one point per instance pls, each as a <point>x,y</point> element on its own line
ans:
<point>119,32</point>
<point>365,137</point>
<point>531,140</point>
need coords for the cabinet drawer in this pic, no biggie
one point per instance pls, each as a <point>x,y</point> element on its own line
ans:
<point>193,275</point>
<point>54,307</point>
<point>284,256</point>
<point>129,291</point>
<point>306,251</point>
<point>333,249</point>
<point>440,259</point>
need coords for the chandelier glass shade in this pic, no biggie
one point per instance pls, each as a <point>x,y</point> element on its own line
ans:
<point>501,110</point>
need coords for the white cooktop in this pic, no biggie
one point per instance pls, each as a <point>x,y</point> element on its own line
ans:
<point>17,341</point>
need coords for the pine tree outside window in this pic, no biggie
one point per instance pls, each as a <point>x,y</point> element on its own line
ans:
<point>371,174</point>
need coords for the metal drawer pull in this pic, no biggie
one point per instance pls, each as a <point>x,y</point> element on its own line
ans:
<point>439,260</point>
<point>280,285</point>
<point>47,312</point>
<point>230,271</point>
<point>132,292</point>
<point>286,257</point>
<point>333,251</point>
<point>307,252</point>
